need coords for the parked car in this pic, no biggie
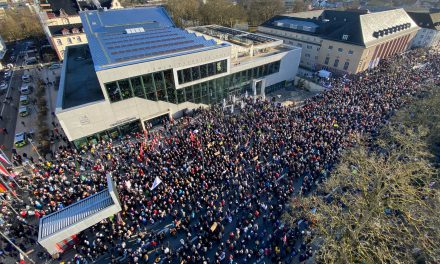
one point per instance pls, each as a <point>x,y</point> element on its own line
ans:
<point>24,100</point>
<point>54,66</point>
<point>23,111</point>
<point>26,78</point>
<point>20,140</point>
<point>3,86</point>
<point>26,89</point>
<point>8,74</point>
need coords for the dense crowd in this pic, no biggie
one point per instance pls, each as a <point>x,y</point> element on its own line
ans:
<point>226,178</point>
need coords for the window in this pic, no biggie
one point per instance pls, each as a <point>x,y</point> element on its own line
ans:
<point>336,63</point>
<point>350,52</point>
<point>125,89</point>
<point>340,49</point>
<point>138,89</point>
<point>79,39</point>
<point>346,64</point>
<point>299,45</point>
<point>309,47</point>
<point>327,59</point>
<point>59,42</point>
<point>201,71</point>
<point>69,41</point>
<point>307,55</point>
<point>330,47</point>
<point>113,92</point>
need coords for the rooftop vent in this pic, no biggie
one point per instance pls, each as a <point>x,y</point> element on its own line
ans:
<point>134,30</point>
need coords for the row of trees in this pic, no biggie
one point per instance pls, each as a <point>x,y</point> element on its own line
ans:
<point>227,13</point>
<point>382,202</point>
<point>20,23</point>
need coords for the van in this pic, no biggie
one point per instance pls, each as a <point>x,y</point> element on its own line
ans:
<point>24,100</point>
<point>20,140</point>
<point>26,89</point>
<point>23,111</point>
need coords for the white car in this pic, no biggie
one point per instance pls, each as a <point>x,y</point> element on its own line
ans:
<point>3,86</point>
<point>55,66</point>
<point>26,78</point>
<point>8,74</point>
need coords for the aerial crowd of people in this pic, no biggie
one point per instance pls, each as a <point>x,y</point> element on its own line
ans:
<point>226,179</point>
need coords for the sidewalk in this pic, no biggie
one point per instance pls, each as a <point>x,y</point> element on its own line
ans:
<point>29,124</point>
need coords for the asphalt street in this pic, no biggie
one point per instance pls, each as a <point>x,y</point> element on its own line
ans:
<point>9,109</point>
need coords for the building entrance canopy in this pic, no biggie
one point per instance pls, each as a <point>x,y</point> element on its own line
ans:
<point>63,224</point>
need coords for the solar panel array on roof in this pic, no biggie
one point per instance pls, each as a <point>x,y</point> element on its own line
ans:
<point>233,35</point>
<point>135,35</point>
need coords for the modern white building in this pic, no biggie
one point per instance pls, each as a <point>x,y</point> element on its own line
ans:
<point>429,33</point>
<point>139,68</point>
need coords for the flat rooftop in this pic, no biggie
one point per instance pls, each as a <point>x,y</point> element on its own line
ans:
<point>74,213</point>
<point>79,84</point>
<point>126,36</point>
<point>234,36</point>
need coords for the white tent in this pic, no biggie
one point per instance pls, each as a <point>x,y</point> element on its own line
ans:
<point>324,74</point>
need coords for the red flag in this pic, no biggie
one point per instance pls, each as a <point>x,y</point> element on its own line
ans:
<point>2,188</point>
<point>3,170</point>
<point>22,259</point>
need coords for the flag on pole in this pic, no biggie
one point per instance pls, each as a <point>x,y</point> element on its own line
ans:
<point>3,188</point>
<point>22,259</point>
<point>4,159</point>
<point>3,170</point>
<point>156,183</point>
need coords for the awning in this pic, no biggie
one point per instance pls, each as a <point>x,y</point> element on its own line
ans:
<point>73,219</point>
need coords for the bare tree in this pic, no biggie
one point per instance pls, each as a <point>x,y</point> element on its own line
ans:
<point>262,10</point>
<point>382,202</point>
<point>222,12</point>
<point>185,12</point>
<point>20,23</point>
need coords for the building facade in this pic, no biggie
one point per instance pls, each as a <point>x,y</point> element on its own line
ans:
<point>429,33</point>
<point>62,24</point>
<point>344,42</point>
<point>135,72</point>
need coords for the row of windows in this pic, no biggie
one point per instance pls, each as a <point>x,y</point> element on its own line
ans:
<point>202,71</point>
<point>336,63</point>
<point>69,40</point>
<point>235,84</point>
<point>350,52</point>
<point>153,86</point>
<point>159,86</point>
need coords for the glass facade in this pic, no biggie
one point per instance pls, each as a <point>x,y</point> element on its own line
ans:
<point>159,86</point>
<point>202,71</point>
<point>113,133</point>
<point>153,86</point>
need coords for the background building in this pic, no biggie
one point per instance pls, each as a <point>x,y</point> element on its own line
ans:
<point>139,68</point>
<point>429,33</point>
<point>343,41</point>
<point>62,24</point>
